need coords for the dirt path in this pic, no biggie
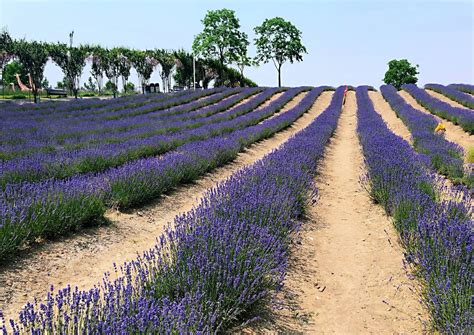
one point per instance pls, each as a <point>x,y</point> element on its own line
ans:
<point>83,258</point>
<point>444,98</point>
<point>347,272</point>
<point>453,132</point>
<point>394,123</point>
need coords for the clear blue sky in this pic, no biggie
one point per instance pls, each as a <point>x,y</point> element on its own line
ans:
<point>348,42</point>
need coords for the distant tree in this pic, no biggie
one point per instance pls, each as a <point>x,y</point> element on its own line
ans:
<point>167,64</point>
<point>129,87</point>
<point>33,56</point>
<point>98,65</point>
<point>45,83</point>
<point>71,60</point>
<point>144,64</point>
<point>110,86</point>
<point>90,85</point>
<point>184,68</point>
<point>221,38</point>
<point>400,72</point>
<point>11,70</point>
<point>280,41</point>
<point>6,54</point>
<point>111,60</point>
<point>124,64</point>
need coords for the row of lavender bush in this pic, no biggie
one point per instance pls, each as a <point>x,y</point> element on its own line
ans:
<point>443,156</point>
<point>61,125</point>
<point>217,262</point>
<point>66,163</point>
<point>458,96</point>
<point>437,233</point>
<point>466,88</point>
<point>83,134</point>
<point>461,116</point>
<point>53,207</point>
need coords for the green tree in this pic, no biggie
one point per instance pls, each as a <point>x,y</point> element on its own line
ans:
<point>144,64</point>
<point>33,56</point>
<point>221,38</point>
<point>167,63</point>
<point>98,55</point>
<point>124,64</point>
<point>71,60</point>
<point>280,41</point>
<point>11,70</point>
<point>400,72</point>
<point>6,54</point>
<point>184,68</point>
<point>111,62</point>
<point>90,85</point>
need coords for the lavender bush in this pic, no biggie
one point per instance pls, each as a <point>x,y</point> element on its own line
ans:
<point>448,91</point>
<point>218,261</point>
<point>460,116</point>
<point>144,179</point>
<point>437,233</point>
<point>444,156</point>
<point>466,88</point>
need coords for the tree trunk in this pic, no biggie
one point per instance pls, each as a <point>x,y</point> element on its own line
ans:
<point>279,76</point>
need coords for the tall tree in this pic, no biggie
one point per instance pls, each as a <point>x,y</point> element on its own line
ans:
<point>6,54</point>
<point>71,60</point>
<point>167,64</point>
<point>11,70</point>
<point>221,38</point>
<point>124,65</point>
<point>99,63</point>
<point>144,64</point>
<point>400,72</point>
<point>33,56</point>
<point>184,68</point>
<point>111,60</point>
<point>280,41</point>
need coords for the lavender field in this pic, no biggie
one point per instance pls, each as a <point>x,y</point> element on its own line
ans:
<point>257,161</point>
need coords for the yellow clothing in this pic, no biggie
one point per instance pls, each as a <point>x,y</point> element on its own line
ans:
<point>440,127</point>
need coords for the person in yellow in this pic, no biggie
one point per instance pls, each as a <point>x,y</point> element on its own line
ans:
<point>440,128</point>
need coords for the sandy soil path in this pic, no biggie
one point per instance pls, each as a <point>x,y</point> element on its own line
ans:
<point>83,258</point>
<point>347,273</point>
<point>453,133</point>
<point>394,123</point>
<point>444,98</point>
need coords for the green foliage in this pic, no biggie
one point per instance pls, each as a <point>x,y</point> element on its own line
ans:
<point>13,68</point>
<point>110,86</point>
<point>167,62</point>
<point>280,41</point>
<point>6,44</point>
<point>98,55</point>
<point>144,64</point>
<point>71,61</point>
<point>33,56</point>
<point>90,85</point>
<point>221,38</point>
<point>129,87</point>
<point>400,72</point>
<point>111,63</point>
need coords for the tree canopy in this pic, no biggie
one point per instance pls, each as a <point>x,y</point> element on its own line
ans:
<point>400,72</point>
<point>221,37</point>
<point>280,41</point>
<point>71,61</point>
<point>33,56</point>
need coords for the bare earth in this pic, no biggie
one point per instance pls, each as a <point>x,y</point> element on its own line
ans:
<point>347,274</point>
<point>394,123</point>
<point>444,98</point>
<point>82,259</point>
<point>453,132</point>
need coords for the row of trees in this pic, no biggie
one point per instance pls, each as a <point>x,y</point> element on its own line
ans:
<point>114,63</point>
<point>277,40</point>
